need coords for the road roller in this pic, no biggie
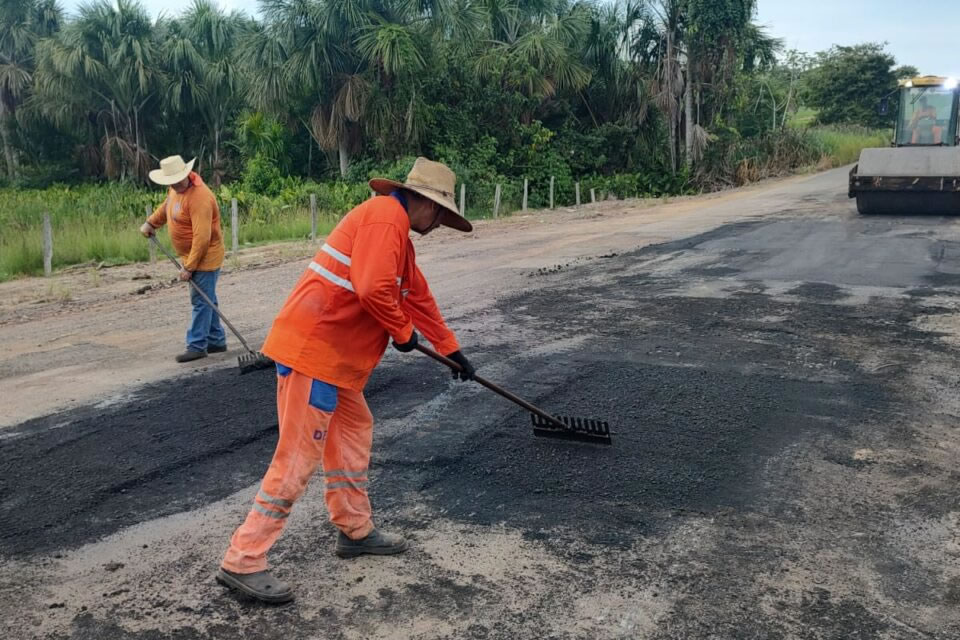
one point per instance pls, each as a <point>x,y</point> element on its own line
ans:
<point>920,172</point>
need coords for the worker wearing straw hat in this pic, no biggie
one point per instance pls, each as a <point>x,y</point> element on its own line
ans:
<point>192,214</point>
<point>362,289</point>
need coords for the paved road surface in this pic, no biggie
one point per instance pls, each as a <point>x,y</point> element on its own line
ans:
<point>779,374</point>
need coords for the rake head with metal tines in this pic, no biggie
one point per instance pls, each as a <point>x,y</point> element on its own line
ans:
<point>567,428</point>
<point>544,424</point>
<point>253,361</point>
<point>249,361</point>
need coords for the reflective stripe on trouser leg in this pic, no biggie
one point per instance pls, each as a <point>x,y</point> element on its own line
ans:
<point>296,458</point>
<point>345,461</point>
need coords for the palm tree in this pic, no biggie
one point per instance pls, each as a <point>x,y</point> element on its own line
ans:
<point>301,55</point>
<point>103,71</point>
<point>534,48</point>
<point>617,89</point>
<point>203,73</point>
<point>721,40</point>
<point>22,23</point>
<point>355,62</point>
<point>694,44</point>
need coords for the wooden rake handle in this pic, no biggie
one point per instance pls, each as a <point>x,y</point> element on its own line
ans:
<point>493,387</point>
<point>205,297</point>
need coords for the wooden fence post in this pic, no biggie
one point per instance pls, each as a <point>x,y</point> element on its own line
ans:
<point>525,189</point>
<point>152,246</point>
<point>496,202</point>
<point>313,217</point>
<point>47,245</point>
<point>463,199</point>
<point>234,224</point>
<point>551,192</point>
<point>593,196</point>
<point>577,189</point>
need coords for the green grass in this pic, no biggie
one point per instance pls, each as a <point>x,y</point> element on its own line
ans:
<point>843,144</point>
<point>290,223</point>
<point>804,117</point>
<point>100,223</point>
<point>90,223</point>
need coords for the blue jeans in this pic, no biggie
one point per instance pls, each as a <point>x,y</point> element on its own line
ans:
<point>205,328</point>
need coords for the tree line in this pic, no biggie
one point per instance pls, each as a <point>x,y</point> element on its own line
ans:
<point>669,89</point>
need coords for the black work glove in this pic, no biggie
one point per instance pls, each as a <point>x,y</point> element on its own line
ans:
<point>408,346</point>
<point>466,369</point>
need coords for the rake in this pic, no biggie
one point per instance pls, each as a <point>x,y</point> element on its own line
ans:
<point>544,425</point>
<point>249,361</point>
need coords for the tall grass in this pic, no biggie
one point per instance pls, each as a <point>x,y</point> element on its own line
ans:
<point>100,223</point>
<point>287,223</point>
<point>90,223</point>
<point>843,144</point>
<point>803,117</point>
<point>737,161</point>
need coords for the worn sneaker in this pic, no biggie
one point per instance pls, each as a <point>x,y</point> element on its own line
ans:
<point>216,348</point>
<point>190,355</point>
<point>376,543</point>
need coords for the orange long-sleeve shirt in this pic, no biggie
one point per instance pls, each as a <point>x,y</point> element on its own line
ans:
<point>362,288</point>
<point>193,218</point>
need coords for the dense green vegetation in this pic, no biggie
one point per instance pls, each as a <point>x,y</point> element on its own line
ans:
<point>637,97</point>
<point>847,84</point>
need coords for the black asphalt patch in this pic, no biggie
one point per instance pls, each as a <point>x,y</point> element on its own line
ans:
<point>76,476</point>
<point>680,445</point>
<point>819,291</point>
<point>73,477</point>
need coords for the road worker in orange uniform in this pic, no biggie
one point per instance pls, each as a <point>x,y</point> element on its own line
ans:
<point>362,288</point>
<point>192,215</point>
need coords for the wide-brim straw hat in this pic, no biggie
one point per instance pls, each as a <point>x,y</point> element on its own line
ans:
<point>172,170</point>
<point>432,180</point>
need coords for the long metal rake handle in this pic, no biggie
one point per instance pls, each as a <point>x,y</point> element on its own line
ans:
<point>495,388</point>
<point>205,297</point>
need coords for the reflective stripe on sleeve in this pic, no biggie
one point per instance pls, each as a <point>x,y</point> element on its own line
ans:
<point>332,277</point>
<point>342,258</point>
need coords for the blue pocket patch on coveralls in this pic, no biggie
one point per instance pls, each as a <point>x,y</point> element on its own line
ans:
<point>323,396</point>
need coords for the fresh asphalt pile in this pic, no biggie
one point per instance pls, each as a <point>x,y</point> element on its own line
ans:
<point>701,393</point>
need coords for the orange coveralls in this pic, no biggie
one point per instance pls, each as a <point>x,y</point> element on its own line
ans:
<point>362,288</point>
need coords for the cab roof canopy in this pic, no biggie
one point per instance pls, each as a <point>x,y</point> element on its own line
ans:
<point>925,81</point>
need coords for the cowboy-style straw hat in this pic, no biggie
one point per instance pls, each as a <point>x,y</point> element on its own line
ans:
<point>432,180</point>
<point>172,170</point>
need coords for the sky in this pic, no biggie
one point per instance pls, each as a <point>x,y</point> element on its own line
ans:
<point>918,32</point>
